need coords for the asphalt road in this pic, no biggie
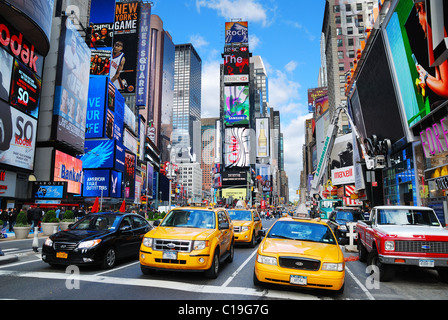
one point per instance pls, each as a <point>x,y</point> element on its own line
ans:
<point>30,278</point>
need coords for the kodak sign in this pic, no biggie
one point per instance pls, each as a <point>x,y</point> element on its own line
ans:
<point>13,41</point>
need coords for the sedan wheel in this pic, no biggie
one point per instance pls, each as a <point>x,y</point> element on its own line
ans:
<point>110,258</point>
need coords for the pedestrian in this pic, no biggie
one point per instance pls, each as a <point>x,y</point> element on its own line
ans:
<point>58,212</point>
<point>80,213</point>
<point>12,216</point>
<point>4,218</point>
<point>36,216</point>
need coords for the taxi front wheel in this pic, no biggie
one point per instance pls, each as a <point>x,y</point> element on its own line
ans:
<point>212,273</point>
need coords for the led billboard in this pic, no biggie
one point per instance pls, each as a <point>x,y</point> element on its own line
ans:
<point>236,147</point>
<point>236,32</point>
<point>103,154</point>
<point>262,138</point>
<point>6,61</point>
<point>69,169</point>
<point>236,105</point>
<point>236,64</point>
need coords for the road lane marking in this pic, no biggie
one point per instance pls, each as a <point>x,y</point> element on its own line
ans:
<point>116,268</point>
<point>363,288</point>
<point>239,269</point>
<point>162,284</point>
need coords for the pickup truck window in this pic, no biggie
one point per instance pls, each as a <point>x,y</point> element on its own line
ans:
<point>407,217</point>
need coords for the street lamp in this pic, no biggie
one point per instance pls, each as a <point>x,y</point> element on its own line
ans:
<point>170,174</point>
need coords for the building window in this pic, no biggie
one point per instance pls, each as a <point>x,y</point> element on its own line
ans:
<point>351,53</point>
<point>342,79</point>
<point>341,66</point>
<point>348,7</point>
<point>336,8</point>
<point>350,41</point>
<point>340,54</point>
<point>337,19</point>
<point>359,6</point>
<point>340,44</point>
<point>349,30</point>
<point>349,19</point>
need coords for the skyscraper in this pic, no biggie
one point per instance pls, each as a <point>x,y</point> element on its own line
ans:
<point>187,101</point>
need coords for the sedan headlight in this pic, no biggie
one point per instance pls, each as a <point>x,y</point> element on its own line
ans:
<point>89,244</point>
<point>389,245</point>
<point>147,242</point>
<point>49,242</point>
<point>200,245</point>
<point>333,266</point>
<point>267,260</point>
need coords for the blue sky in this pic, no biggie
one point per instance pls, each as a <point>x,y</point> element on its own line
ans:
<point>285,33</point>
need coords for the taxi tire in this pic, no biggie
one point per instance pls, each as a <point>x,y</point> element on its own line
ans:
<point>253,241</point>
<point>109,258</point>
<point>231,251</point>
<point>213,272</point>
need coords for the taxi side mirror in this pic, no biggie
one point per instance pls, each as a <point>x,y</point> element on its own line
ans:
<point>223,225</point>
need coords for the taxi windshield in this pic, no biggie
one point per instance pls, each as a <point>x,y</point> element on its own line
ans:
<point>244,215</point>
<point>186,218</point>
<point>303,231</point>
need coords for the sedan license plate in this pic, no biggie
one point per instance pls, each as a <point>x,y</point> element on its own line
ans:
<point>426,263</point>
<point>301,280</point>
<point>171,255</point>
<point>61,255</point>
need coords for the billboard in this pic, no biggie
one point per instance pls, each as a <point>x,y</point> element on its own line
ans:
<point>263,176</point>
<point>103,154</point>
<point>236,147</point>
<point>143,54</point>
<point>49,189</point>
<point>320,105</point>
<point>69,169</point>
<point>262,137</point>
<point>341,160</point>
<point>123,66</point>
<point>236,63</point>
<point>6,61</point>
<point>236,105</point>
<point>313,94</point>
<point>25,89</point>
<point>236,32</point>
<point>130,163</point>
<point>17,138</point>
<point>420,70</point>
<point>72,87</point>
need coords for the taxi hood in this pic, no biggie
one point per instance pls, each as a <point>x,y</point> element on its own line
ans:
<point>309,249</point>
<point>179,233</point>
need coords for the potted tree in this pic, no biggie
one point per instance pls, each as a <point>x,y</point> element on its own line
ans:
<point>69,218</point>
<point>22,227</point>
<point>49,222</point>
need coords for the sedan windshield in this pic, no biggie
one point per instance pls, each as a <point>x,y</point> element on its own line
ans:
<point>295,230</point>
<point>244,215</point>
<point>190,219</point>
<point>97,223</point>
<point>408,217</point>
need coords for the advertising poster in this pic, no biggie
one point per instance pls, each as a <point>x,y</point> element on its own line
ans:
<point>263,176</point>
<point>69,169</point>
<point>102,34</point>
<point>96,106</point>
<point>103,154</point>
<point>321,105</point>
<point>423,82</point>
<point>115,184</point>
<point>237,64</point>
<point>72,87</point>
<point>6,61</point>
<point>237,32</point>
<point>49,189</point>
<point>96,183</point>
<point>341,160</point>
<point>17,138</point>
<point>25,90</point>
<point>129,175</point>
<point>236,105</point>
<point>262,138</point>
<point>236,147</point>
<point>100,62</point>
<point>235,193</point>
<point>123,67</point>
<point>313,94</point>
<point>143,54</point>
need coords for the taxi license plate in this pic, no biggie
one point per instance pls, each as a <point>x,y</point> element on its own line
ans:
<point>426,263</point>
<point>301,280</point>
<point>62,255</point>
<point>170,255</point>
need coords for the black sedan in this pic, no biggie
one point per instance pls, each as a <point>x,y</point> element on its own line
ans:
<point>98,238</point>
<point>338,222</point>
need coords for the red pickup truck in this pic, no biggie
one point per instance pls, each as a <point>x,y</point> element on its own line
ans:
<point>403,236</point>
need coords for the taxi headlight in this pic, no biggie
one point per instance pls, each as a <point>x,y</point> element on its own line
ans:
<point>147,242</point>
<point>333,266</point>
<point>267,260</point>
<point>342,227</point>
<point>200,244</point>
<point>244,228</point>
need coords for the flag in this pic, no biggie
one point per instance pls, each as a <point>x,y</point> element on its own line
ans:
<point>123,206</point>
<point>96,205</point>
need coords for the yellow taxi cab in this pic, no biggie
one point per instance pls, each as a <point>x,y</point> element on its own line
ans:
<point>189,238</point>
<point>247,226</point>
<point>300,252</point>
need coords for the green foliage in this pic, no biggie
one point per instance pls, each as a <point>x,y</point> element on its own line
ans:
<point>69,216</point>
<point>50,216</point>
<point>22,220</point>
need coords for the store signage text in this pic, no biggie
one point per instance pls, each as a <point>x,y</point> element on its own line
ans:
<point>435,138</point>
<point>18,47</point>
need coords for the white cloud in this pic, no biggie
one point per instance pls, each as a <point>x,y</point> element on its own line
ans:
<point>198,41</point>
<point>291,66</point>
<point>250,10</point>
<point>254,42</point>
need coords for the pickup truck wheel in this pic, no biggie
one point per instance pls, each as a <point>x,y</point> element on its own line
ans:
<point>362,251</point>
<point>386,271</point>
<point>212,273</point>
